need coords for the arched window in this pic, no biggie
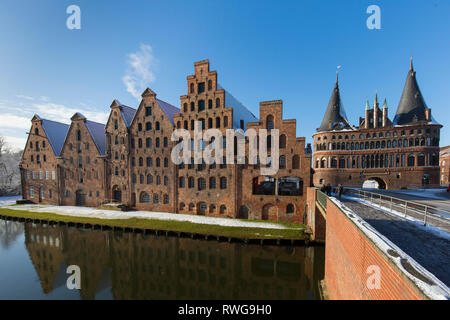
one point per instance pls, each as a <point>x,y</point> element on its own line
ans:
<point>182,205</point>
<point>411,160</point>
<point>141,179</point>
<point>192,106</point>
<point>78,135</point>
<point>295,162</point>
<point>217,103</point>
<point>144,197</point>
<point>181,182</point>
<point>333,162</point>
<point>185,107</point>
<point>223,209</point>
<point>210,104</point>
<point>148,126</point>
<point>149,162</point>
<point>149,179</point>
<point>282,162</point>
<point>212,183</point>
<point>269,122</point>
<point>201,184</point>
<point>421,160</point>
<point>282,141</point>
<point>155,198</point>
<point>166,162</point>
<point>218,122</point>
<point>192,88</point>
<point>223,183</point>
<point>141,161</point>
<point>158,162</point>
<point>191,182</point>
<point>209,85</point>
<point>290,208</point>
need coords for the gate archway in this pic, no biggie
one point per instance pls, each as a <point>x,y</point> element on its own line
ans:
<point>116,194</point>
<point>269,212</point>
<point>374,183</point>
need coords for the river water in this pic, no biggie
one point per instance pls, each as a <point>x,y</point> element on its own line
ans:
<point>34,259</point>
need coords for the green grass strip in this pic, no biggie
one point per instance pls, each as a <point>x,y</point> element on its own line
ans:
<point>296,231</point>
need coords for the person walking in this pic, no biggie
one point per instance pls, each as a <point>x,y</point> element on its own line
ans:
<point>328,190</point>
<point>340,190</point>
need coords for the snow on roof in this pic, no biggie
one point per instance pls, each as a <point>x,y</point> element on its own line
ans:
<point>56,133</point>
<point>97,131</point>
<point>240,112</point>
<point>168,109</point>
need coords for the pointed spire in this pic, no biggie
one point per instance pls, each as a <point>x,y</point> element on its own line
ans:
<point>384,104</point>
<point>375,102</point>
<point>367,105</point>
<point>335,114</point>
<point>411,68</point>
<point>412,105</point>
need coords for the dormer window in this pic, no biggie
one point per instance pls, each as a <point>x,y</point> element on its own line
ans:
<point>78,135</point>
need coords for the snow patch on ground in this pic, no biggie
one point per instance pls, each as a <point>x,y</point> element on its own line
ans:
<point>438,194</point>
<point>418,223</point>
<point>438,291</point>
<point>111,214</point>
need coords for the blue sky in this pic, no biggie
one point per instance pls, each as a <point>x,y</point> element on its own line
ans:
<point>262,50</point>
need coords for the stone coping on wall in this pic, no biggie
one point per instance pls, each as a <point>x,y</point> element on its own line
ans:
<point>430,286</point>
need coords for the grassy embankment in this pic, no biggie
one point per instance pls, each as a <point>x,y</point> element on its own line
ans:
<point>294,231</point>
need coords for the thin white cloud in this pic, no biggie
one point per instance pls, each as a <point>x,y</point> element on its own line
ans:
<point>14,121</point>
<point>21,96</point>
<point>140,70</point>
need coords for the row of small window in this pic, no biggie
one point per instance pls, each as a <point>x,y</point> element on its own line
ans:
<point>378,161</point>
<point>68,194</point>
<point>200,87</point>
<point>148,112</point>
<point>38,158</point>
<point>380,134</point>
<point>149,142</point>
<point>80,161</point>
<point>148,126</point>
<point>32,175</point>
<point>81,175</point>
<point>203,207</point>
<point>201,183</point>
<point>149,162</point>
<point>201,105</point>
<point>400,143</point>
<point>79,147</point>
<point>144,197</point>
<point>149,179</point>
<point>36,144</point>
<point>210,123</point>
<point>41,193</point>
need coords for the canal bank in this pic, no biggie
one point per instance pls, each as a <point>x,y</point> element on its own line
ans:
<point>234,231</point>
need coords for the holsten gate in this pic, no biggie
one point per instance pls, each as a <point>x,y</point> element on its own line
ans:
<point>129,159</point>
<point>394,154</point>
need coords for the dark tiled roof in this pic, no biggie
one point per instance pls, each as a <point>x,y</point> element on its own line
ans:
<point>97,131</point>
<point>127,114</point>
<point>335,112</point>
<point>56,133</point>
<point>168,109</point>
<point>412,105</point>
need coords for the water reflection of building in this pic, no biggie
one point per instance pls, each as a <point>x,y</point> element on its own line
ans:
<point>9,232</point>
<point>137,266</point>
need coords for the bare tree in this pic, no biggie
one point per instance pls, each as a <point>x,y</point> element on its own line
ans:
<point>9,169</point>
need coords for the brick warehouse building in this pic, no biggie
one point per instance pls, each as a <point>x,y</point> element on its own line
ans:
<point>395,154</point>
<point>128,160</point>
<point>444,160</point>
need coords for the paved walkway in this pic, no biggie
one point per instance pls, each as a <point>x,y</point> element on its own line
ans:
<point>427,248</point>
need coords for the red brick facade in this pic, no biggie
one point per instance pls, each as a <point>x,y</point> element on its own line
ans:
<point>128,160</point>
<point>444,165</point>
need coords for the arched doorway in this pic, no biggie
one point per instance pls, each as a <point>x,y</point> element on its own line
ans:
<point>374,183</point>
<point>80,198</point>
<point>243,212</point>
<point>269,212</point>
<point>116,194</point>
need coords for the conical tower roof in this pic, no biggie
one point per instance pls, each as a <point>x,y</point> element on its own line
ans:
<point>412,105</point>
<point>335,114</point>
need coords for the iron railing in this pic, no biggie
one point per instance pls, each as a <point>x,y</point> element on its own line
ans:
<point>407,208</point>
<point>322,200</point>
